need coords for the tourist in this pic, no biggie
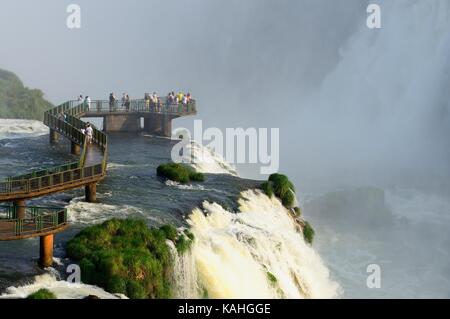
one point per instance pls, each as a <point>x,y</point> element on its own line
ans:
<point>180,96</point>
<point>80,99</point>
<point>124,97</point>
<point>127,102</point>
<point>112,101</point>
<point>87,101</point>
<point>89,133</point>
<point>155,101</point>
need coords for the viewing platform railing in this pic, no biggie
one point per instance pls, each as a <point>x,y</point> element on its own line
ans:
<point>141,106</point>
<point>36,220</point>
<point>62,119</point>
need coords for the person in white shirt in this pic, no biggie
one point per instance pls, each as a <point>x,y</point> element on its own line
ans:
<point>87,100</point>
<point>89,133</point>
<point>80,99</point>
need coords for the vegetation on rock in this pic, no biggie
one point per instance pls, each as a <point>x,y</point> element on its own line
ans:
<point>308,233</point>
<point>280,186</point>
<point>42,294</point>
<point>19,102</point>
<point>126,256</point>
<point>179,173</point>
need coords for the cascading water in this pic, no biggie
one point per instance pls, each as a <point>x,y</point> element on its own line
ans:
<point>255,253</point>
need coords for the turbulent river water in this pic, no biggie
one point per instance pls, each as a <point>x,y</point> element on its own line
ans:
<point>241,234</point>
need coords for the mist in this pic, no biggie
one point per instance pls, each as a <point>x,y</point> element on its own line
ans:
<point>356,107</point>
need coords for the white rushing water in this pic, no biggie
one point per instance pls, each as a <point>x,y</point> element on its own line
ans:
<point>205,160</point>
<point>62,289</point>
<point>233,254</point>
<point>12,128</point>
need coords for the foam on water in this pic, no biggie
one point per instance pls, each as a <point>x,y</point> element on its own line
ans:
<point>81,212</point>
<point>205,160</point>
<point>62,289</point>
<point>12,128</point>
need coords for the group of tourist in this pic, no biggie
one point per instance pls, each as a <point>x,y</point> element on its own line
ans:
<point>151,101</point>
<point>89,132</point>
<point>86,100</point>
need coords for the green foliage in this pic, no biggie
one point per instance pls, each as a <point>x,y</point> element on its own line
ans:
<point>125,256</point>
<point>179,173</point>
<point>184,242</point>
<point>297,211</point>
<point>170,232</point>
<point>42,294</point>
<point>308,233</point>
<point>17,101</point>
<point>280,186</point>
<point>267,188</point>
<point>273,280</point>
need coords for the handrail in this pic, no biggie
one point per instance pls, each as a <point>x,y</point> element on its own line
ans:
<point>139,105</point>
<point>64,120</point>
<point>35,220</point>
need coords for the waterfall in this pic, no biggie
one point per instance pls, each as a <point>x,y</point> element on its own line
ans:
<point>257,252</point>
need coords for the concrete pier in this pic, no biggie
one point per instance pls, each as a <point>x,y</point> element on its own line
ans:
<point>53,136</point>
<point>75,149</point>
<point>121,123</point>
<point>20,208</point>
<point>158,124</point>
<point>46,250</point>
<point>91,193</point>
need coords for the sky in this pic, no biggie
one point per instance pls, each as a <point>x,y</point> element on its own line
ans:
<point>253,63</point>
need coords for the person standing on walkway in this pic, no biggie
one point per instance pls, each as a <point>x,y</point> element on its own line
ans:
<point>87,100</point>
<point>89,133</point>
<point>127,102</point>
<point>112,101</point>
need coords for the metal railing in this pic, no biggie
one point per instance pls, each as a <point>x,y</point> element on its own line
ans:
<point>141,106</point>
<point>62,119</point>
<point>41,183</point>
<point>35,220</point>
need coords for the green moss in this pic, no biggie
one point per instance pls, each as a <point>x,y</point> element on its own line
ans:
<point>273,280</point>
<point>280,186</point>
<point>288,199</point>
<point>179,173</point>
<point>297,211</point>
<point>308,233</point>
<point>267,188</point>
<point>125,256</point>
<point>170,232</point>
<point>184,242</point>
<point>42,294</point>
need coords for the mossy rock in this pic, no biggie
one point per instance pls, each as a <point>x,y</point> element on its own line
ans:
<point>297,211</point>
<point>267,188</point>
<point>272,279</point>
<point>125,256</point>
<point>179,173</point>
<point>280,186</point>
<point>42,294</point>
<point>308,233</point>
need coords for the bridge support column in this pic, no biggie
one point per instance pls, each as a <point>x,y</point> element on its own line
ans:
<point>166,126</point>
<point>46,250</point>
<point>91,193</point>
<point>121,123</point>
<point>158,124</point>
<point>75,148</point>
<point>19,206</point>
<point>53,136</point>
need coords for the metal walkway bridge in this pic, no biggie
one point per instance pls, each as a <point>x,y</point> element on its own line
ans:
<point>18,221</point>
